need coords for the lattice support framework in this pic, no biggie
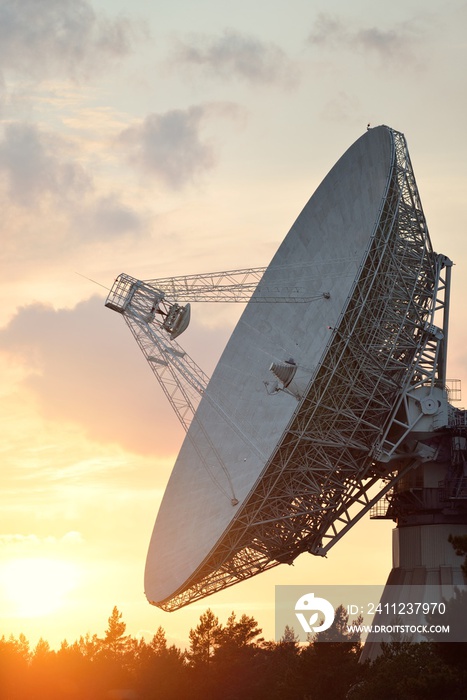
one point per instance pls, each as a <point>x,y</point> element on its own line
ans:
<point>325,472</point>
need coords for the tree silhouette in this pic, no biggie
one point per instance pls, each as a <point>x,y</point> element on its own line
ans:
<point>115,640</point>
<point>113,661</point>
<point>409,671</point>
<point>226,662</point>
<point>289,636</point>
<point>237,634</point>
<point>158,643</point>
<point>14,666</point>
<point>203,639</point>
<point>331,658</point>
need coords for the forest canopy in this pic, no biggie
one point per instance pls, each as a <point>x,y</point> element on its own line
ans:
<point>227,661</point>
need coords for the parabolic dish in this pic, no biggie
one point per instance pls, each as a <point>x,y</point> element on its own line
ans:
<point>288,454</point>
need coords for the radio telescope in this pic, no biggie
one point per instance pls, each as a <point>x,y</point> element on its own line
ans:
<point>329,399</point>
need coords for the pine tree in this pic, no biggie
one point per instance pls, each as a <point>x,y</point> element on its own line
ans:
<point>158,643</point>
<point>203,639</point>
<point>115,640</point>
<point>289,636</point>
<point>237,633</point>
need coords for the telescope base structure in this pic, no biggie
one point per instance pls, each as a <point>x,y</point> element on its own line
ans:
<point>422,555</point>
<point>425,570</point>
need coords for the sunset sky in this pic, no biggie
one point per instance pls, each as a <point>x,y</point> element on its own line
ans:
<point>164,139</point>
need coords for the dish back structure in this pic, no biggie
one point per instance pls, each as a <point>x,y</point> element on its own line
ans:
<point>316,410</point>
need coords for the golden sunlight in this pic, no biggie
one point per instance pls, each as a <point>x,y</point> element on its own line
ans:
<point>37,586</point>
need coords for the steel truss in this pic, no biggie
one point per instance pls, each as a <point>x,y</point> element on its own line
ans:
<point>343,449</point>
<point>146,308</point>
<point>152,311</point>
<point>151,315</point>
<point>230,286</point>
<point>182,381</point>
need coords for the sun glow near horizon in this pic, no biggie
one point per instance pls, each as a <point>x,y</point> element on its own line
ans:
<point>37,586</point>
